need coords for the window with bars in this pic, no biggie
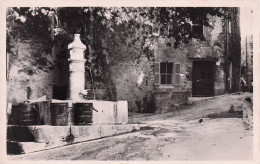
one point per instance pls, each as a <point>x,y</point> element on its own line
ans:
<point>167,73</point>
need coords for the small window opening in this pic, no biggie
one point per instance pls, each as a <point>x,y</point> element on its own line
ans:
<point>166,73</point>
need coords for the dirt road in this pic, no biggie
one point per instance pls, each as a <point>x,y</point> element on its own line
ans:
<point>178,135</point>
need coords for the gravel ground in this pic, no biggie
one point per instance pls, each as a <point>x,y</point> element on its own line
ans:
<point>186,134</point>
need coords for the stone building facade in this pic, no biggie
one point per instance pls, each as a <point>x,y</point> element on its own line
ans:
<point>199,68</point>
<point>196,69</point>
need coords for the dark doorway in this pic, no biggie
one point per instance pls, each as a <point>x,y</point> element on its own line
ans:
<point>203,73</point>
<point>59,92</point>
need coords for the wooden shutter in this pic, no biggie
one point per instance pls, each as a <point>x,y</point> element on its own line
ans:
<point>177,70</point>
<point>173,73</point>
<point>157,73</point>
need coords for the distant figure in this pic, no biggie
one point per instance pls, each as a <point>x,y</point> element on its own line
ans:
<point>251,87</point>
<point>243,84</point>
<point>200,120</point>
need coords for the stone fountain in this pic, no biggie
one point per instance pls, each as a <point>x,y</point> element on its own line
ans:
<point>76,68</point>
<point>108,118</point>
<point>105,112</point>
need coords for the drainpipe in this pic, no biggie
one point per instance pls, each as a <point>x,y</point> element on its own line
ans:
<point>228,80</point>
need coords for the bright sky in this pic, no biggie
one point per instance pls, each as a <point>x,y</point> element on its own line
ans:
<point>246,21</point>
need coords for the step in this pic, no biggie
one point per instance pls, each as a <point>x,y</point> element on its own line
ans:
<point>14,147</point>
<point>56,136</point>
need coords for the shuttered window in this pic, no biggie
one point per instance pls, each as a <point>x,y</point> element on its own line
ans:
<point>157,73</point>
<point>177,73</point>
<point>166,73</point>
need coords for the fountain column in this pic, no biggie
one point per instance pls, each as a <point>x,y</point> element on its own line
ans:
<point>76,68</point>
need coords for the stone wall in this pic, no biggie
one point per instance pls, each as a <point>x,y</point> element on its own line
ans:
<point>30,71</point>
<point>134,80</point>
<point>168,97</point>
<point>132,74</point>
<point>35,66</point>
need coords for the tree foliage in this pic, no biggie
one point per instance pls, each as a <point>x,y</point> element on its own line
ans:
<point>127,24</point>
<point>170,21</point>
<point>28,22</point>
<point>133,27</point>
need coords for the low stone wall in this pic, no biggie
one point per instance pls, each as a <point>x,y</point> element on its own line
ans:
<point>219,88</point>
<point>109,112</point>
<point>168,100</point>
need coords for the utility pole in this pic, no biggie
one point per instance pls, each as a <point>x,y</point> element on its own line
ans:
<point>236,50</point>
<point>246,64</point>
